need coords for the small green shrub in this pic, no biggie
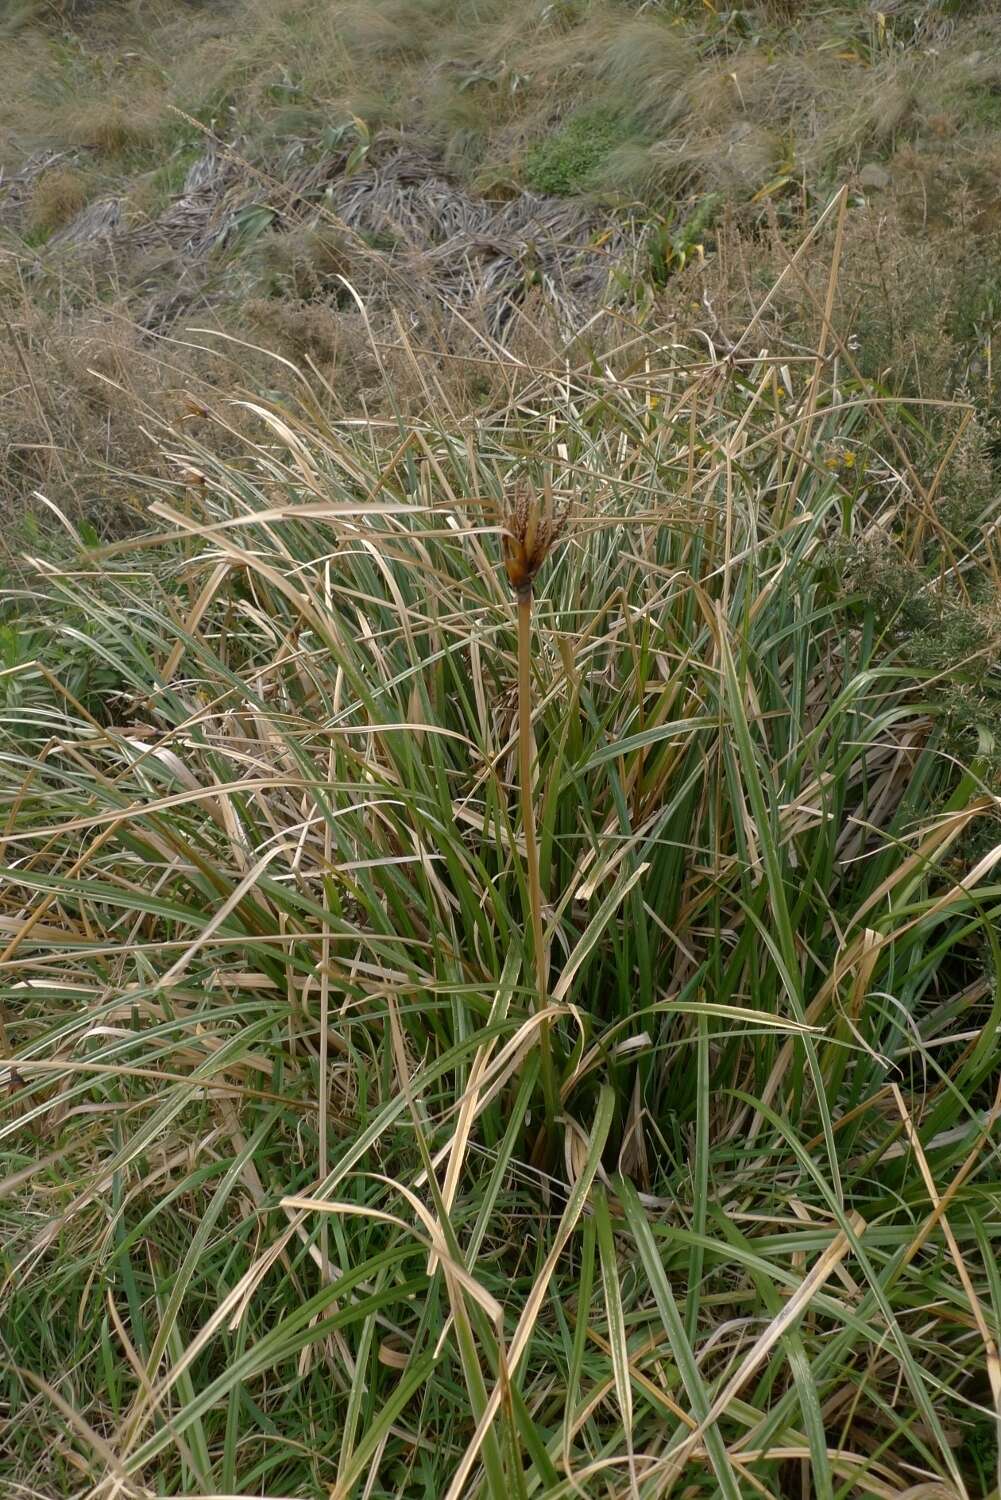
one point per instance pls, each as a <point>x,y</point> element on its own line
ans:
<point>569,161</point>
<point>951,640</point>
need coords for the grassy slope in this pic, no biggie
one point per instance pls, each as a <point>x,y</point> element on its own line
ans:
<point>660,1210</point>
<point>726,96</point>
<point>671,117</point>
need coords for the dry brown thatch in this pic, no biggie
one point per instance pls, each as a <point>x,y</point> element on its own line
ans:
<point>409,226</point>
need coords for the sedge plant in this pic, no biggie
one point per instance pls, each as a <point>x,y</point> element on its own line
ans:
<point>276,1044</point>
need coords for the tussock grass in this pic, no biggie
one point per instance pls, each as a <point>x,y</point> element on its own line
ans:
<point>647,65</point>
<point>58,196</point>
<point>833,82</point>
<point>276,1217</point>
<point>113,128</point>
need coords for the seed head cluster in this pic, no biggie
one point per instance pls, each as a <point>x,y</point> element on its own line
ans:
<point>533,528</point>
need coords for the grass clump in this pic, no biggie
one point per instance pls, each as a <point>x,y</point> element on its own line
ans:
<point>646,64</point>
<point>474,1036</point>
<point>306,263</point>
<point>115,129</point>
<point>57,197</point>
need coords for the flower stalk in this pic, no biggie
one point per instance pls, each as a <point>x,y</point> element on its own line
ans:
<point>531,533</point>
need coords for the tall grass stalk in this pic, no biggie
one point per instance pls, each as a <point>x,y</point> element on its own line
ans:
<point>533,879</point>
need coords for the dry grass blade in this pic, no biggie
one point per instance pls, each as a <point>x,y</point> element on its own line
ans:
<point>990,1344</point>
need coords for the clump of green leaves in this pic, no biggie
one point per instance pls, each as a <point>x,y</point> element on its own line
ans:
<point>952,637</point>
<point>673,242</point>
<point>571,160</point>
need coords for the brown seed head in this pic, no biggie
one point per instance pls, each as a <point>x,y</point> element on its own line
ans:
<point>533,529</point>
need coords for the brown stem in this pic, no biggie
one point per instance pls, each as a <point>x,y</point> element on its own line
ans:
<point>533,880</point>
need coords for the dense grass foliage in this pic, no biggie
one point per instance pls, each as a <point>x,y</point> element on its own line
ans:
<point>290,1208</point>
<point>499,913</point>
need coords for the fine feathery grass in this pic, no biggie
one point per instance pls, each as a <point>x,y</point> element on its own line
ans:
<point>483,1036</point>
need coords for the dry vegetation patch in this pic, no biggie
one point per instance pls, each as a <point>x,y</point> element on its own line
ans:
<point>56,198</point>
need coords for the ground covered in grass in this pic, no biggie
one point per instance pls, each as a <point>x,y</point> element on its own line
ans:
<point>483,173</point>
<point>466,1040</point>
<point>500,708</point>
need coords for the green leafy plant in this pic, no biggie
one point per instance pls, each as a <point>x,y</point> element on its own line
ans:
<point>570,160</point>
<point>673,245</point>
